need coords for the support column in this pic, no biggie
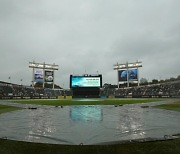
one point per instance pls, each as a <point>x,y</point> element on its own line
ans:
<point>118,78</point>
<point>33,77</point>
<point>43,74</point>
<point>53,78</point>
<point>127,69</point>
<point>138,75</point>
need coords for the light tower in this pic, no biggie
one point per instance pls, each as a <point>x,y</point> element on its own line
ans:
<point>126,67</point>
<point>47,70</point>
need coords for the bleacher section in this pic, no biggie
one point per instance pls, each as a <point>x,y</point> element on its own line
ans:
<point>8,90</point>
<point>169,89</point>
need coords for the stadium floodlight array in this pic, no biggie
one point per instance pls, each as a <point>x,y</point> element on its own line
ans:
<point>127,65</point>
<point>44,72</point>
<point>43,66</point>
<point>128,72</point>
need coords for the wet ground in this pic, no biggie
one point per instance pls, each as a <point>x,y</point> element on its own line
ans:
<point>88,124</point>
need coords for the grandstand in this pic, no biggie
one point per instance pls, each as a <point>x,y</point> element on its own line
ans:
<point>166,89</point>
<point>169,89</point>
<point>9,90</point>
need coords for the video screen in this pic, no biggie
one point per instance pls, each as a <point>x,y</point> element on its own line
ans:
<point>85,81</point>
<point>38,75</point>
<point>132,75</point>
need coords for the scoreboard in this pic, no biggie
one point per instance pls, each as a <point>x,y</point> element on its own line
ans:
<point>86,81</point>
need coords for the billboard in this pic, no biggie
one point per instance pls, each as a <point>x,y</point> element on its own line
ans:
<point>132,75</point>
<point>49,76</point>
<point>85,81</point>
<point>38,75</point>
<point>122,74</point>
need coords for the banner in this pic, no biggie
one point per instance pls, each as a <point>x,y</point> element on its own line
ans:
<point>38,75</point>
<point>132,75</point>
<point>49,76</point>
<point>122,74</point>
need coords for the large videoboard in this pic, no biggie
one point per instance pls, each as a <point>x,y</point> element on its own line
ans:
<point>85,81</point>
<point>132,75</point>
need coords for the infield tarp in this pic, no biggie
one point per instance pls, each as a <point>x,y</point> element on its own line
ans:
<point>88,124</point>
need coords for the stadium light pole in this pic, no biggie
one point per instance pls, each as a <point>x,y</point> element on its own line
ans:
<point>43,74</point>
<point>21,81</point>
<point>138,75</point>
<point>116,68</point>
<point>33,75</point>
<point>9,79</point>
<point>44,67</point>
<point>53,78</point>
<point>118,79</point>
<point>127,77</point>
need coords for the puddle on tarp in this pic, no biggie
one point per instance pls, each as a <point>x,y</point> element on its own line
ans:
<point>88,124</point>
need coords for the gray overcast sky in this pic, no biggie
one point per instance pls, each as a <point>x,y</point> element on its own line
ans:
<point>86,36</point>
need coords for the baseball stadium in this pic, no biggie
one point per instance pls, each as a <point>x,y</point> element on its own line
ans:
<point>90,117</point>
<point>89,77</point>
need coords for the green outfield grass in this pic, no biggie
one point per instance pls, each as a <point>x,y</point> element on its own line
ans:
<point>85,102</point>
<point>175,106</point>
<point>5,108</point>
<point>13,147</point>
